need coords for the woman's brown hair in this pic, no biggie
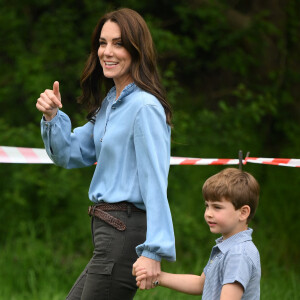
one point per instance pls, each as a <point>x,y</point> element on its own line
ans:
<point>137,40</point>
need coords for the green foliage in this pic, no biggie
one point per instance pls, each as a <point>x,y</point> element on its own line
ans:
<point>232,75</point>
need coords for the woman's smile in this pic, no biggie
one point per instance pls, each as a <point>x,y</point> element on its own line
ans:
<point>115,60</point>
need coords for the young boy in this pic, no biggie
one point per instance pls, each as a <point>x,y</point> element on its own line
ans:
<point>233,270</point>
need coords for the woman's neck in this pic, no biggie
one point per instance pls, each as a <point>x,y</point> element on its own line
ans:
<point>121,84</point>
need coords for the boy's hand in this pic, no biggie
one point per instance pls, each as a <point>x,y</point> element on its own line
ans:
<point>153,270</point>
<point>140,273</point>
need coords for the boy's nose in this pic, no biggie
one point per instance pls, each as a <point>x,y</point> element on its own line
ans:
<point>208,212</point>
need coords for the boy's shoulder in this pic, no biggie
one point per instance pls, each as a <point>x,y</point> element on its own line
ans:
<point>243,246</point>
<point>246,248</point>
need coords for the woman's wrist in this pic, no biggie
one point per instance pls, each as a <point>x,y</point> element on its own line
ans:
<point>49,117</point>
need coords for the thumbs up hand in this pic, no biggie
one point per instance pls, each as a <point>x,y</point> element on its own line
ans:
<point>49,102</point>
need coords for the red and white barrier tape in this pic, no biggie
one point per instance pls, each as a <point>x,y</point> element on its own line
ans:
<point>22,155</point>
<point>288,162</point>
<point>19,155</point>
<point>203,161</point>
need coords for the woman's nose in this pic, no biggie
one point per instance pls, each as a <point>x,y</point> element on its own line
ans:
<point>108,50</point>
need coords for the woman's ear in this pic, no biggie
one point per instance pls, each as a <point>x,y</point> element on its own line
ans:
<point>245,212</point>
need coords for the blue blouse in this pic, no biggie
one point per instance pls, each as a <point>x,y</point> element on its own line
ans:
<point>130,141</point>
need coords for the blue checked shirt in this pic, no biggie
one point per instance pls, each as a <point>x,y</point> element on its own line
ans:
<point>234,259</point>
<point>130,141</point>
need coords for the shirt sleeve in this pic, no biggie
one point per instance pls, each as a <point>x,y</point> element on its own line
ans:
<point>65,148</point>
<point>152,146</point>
<point>237,267</point>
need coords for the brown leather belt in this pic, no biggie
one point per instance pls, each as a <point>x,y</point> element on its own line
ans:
<point>99,211</point>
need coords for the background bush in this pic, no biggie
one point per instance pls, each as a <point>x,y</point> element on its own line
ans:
<point>232,73</point>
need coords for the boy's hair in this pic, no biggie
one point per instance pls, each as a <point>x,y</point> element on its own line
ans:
<point>236,186</point>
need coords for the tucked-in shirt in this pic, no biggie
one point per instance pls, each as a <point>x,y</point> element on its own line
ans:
<point>235,259</point>
<point>130,141</point>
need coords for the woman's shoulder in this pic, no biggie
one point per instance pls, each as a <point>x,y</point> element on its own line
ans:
<point>142,98</point>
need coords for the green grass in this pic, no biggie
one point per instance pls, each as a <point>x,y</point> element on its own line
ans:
<point>35,270</point>
<point>42,254</point>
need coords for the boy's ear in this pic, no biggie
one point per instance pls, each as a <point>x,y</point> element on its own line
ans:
<point>245,212</point>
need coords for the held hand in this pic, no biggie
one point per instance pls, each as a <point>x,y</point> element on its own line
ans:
<point>152,268</point>
<point>49,102</point>
<point>140,273</point>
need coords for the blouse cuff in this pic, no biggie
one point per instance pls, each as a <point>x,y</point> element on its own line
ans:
<point>151,255</point>
<point>53,120</point>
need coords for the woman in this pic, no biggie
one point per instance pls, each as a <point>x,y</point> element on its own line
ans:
<point>128,135</point>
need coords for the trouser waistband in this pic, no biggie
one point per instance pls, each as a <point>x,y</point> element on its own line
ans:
<point>99,211</point>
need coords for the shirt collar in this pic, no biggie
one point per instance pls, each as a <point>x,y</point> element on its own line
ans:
<point>111,95</point>
<point>238,238</point>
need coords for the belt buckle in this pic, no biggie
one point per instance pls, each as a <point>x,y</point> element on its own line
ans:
<point>91,210</point>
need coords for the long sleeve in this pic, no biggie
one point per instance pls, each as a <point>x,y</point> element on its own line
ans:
<point>65,148</point>
<point>130,140</point>
<point>152,146</point>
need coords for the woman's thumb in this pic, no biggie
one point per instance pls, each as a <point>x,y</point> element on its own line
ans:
<point>56,88</point>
